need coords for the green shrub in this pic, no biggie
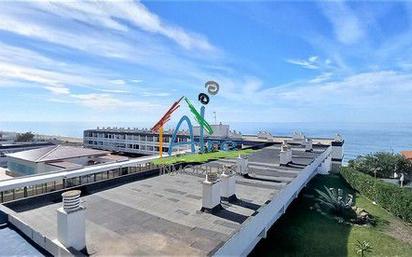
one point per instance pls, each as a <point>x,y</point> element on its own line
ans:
<point>395,199</point>
<point>336,202</point>
<point>363,247</point>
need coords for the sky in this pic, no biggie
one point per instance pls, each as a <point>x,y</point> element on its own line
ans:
<point>274,61</point>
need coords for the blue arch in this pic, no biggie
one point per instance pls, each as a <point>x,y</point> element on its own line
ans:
<point>192,141</point>
<point>228,145</point>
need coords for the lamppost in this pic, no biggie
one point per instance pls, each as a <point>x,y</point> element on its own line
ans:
<point>375,171</point>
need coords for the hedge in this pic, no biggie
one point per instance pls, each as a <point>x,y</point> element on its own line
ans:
<point>393,198</point>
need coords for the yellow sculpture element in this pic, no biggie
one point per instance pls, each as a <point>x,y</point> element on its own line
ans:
<point>161,141</point>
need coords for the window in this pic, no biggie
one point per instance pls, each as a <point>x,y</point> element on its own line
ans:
<point>20,168</point>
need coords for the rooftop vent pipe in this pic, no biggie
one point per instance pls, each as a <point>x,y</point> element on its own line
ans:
<point>228,188</point>
<point>308,145</point>
<point>71,225</point>
<point>242,165</point>
<point>285,155</point>
<point>211,193</point>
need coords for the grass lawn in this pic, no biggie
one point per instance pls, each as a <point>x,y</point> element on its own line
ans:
<point>202,157</point>
<point>305,232</point>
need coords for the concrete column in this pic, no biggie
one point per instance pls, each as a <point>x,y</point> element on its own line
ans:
<point>211,193</point>
<point>71,225</point>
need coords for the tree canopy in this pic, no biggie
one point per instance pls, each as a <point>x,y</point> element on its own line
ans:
<point>383,163</point>
<point>24,137</point>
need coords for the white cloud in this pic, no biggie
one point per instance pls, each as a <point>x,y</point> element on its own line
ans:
<point>160,94</point>
<point>22,65</point>
<point>303,63</point>
<point>109,13</point>
<point>370,96</point>
<point>347,27</point>
<point>115,91</point>
<point>311,63</point>
<point>313,59</point>
<point>107,101</point>
<point>59,78</point>
<point>369,89</point>
<point>58,90</point>
<point>118,82</point>
<point>321,78</point>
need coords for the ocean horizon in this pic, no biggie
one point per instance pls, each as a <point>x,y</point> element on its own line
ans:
<point>360,138</point>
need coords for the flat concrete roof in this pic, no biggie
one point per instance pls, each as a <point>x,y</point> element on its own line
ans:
<point>161,215</point>
<point>56,152</point>
<point>3,174</point>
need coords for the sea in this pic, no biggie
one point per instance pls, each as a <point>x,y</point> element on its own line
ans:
<point>360,138</point>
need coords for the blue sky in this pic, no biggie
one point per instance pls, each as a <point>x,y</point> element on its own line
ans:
<point>274,61</point>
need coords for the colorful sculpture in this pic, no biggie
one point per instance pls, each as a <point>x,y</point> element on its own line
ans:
<point>158,127</point>
<point>199,117</point>
<point>212,88</point>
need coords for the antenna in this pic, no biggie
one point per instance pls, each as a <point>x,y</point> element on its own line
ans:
<point>214,116</point>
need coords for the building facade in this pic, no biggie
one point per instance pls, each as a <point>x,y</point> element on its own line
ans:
<point>56,158</point>
<point>146,142</point>
<point>132,141</point>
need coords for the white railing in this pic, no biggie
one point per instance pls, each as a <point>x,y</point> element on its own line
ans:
<point>255,228</point>
<point>37,179</point>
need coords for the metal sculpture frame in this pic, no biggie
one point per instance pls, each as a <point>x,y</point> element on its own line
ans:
<point>174,136</point>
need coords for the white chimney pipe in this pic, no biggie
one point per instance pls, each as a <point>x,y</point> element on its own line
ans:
<point>308,145</point>
<point>211,193</point>
<point>285,155</point>
<point>71,225</point>
<point>242,165</point>
<point>228,187</point>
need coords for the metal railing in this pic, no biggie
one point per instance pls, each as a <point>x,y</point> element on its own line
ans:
<point>21,187</point>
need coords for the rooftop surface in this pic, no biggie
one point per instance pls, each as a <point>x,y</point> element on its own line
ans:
<point>57,152</point>
<point>23,144</point>
<point>407,154</point>
<point>17,245</point>
<point>161,215</point>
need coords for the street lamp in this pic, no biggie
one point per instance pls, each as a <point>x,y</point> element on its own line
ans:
<point>375,171</point>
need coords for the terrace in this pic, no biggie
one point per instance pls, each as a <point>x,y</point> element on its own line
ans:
<point>161,215</point>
